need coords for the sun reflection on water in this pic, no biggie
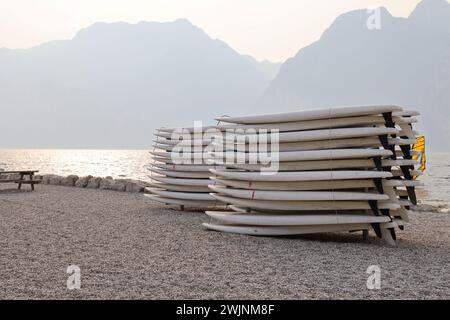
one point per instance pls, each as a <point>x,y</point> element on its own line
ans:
<point>115,163</point>
<point>132,164</point>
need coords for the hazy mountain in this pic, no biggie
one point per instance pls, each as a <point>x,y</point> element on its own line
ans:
<point>406,62</point>
<point>434,14</point>
<point>112,84</point>
<point>268,68</point>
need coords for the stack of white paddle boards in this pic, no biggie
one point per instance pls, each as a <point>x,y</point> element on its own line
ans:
<point>178,172</point>
<point>339,169</point>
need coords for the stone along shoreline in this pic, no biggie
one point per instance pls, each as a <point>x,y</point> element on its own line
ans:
<point>89,182</point>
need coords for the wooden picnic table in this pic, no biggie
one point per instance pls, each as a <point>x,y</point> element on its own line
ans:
<point>21,180</point>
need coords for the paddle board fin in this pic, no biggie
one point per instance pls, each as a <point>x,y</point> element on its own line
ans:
<point>388,119</point>
<point>406,151</point>
<point>412,195</point>
<point>400,226</point>
<point>393,233</point>
<point>377,229</point>
<point>385,143</point>
<point>374,207</point>
<point>406,173</point>
<point>379,185</point>
<point>376,226</point>
<point>377,162</point>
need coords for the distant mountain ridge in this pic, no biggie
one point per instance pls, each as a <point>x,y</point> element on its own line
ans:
<point>434,14</point>
<point>114,83</point>
<point>407,63</point>
<point>268,68</point>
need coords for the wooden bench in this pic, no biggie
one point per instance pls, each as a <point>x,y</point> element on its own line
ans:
<point>21,180</point>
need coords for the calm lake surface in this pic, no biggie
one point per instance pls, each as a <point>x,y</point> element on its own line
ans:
<point>133,164</point>
<point>115,163</point>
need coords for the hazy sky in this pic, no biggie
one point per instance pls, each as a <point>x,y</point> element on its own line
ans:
<point>266,29</point>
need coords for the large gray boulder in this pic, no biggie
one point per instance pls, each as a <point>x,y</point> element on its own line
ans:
<point>46,179</point>
<point>55,180</point>
<point>69,181</point>
<point>83,182</point>
<point>11,176</point>
<point>94,183</point>
<point>106,183</point>
<point>119,185</point>
<point>135,186</point>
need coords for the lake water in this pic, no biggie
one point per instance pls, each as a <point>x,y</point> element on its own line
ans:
<point>133,164</point>
<point>437,181</point>
<point>102,163</point>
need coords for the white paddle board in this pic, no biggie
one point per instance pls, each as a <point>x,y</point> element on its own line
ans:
<point>184,148</point>
<point>301,176</point>
<point>315,114</point>
<point>174,187</point>
<point>324,165</point>
<point>297,195</point>
<point>184,167</point>
<point>180,202</point>
<point>200,142</point>
<point>285,230</point>
<point>181,195</point>
<point>182,182</point>
<point>369,142</point>
<point>302,185</point>
<point>303,205</point>
<point>316,124</point>
<point>283,219</point>
<point>314,135</point>
<point>182,174</point>
<point>308,155</point>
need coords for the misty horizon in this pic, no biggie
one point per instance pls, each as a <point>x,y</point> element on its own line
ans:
<point>112,84</point>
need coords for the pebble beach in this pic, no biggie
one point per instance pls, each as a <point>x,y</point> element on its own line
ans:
<point>128,247</point>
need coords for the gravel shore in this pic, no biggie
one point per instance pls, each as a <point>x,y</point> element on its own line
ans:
<point>130,248</point>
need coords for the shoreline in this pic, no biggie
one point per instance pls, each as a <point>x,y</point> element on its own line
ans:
<point>130,248</point>
<point>138,186</point>
<point>89,182</point>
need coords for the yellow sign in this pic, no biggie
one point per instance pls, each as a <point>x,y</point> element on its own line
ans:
<point>420,147</point>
